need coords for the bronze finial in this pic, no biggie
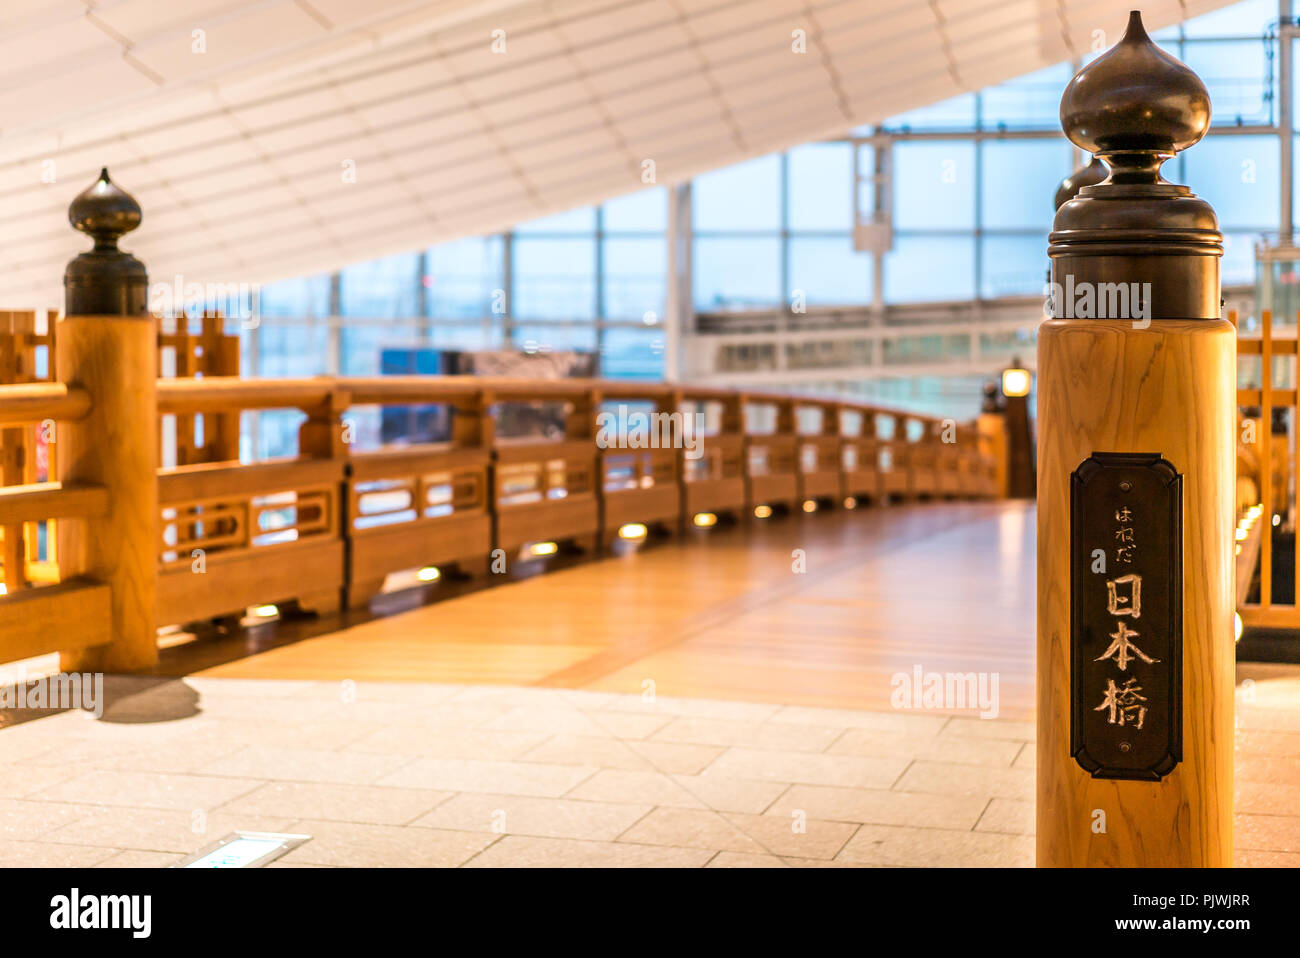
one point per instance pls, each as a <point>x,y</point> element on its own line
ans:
<point>105,281</point>
<point>1134,107</point>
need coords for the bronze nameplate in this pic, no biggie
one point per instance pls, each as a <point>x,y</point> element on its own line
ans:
<point>1126,601</point>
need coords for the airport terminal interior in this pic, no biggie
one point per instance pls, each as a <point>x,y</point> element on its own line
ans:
<point>646,433</point>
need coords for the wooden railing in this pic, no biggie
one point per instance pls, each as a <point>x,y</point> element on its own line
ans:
<point>1266,478</point>
<point>69,615</point>
<point>327,527</point>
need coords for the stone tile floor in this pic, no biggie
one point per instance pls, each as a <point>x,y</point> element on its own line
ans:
<point>418,775</point>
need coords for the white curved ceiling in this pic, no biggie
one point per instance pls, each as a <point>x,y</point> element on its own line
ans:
<point>237,151</point>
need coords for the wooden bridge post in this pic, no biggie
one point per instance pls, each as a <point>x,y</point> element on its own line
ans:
<point>1135,491</point>
<point>114,359</point>
<point>325,434</point>
<point>107,346</point>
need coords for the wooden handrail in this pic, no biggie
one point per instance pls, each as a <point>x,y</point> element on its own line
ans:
<point>51,500</point>
<point>218,393</point>
<point>71,615</point>
<point>26,403</point>
<point>383,390</point>
<point>212,480</point>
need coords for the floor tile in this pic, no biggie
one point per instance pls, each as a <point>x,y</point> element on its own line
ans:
<point>626,754</point>
<point>366,804</point>
<point>744,860</point>
<point>554,721</point>
<point>963,727</point>
<point>676,758</point>
<point>1267,799</point>
<point>1272,769</point>
<point>691,828</point>
<point>383,846</point>
<point>1271,833</point>
<point>726,794</point>
<point>781,736</point>
<point>808,768</point>
<point>881,806</point>
<point>518,851</point>
<point>507,778</point>
<point>793,836</point>
<point>937,847</point>
<point>1251,858</point>
<point>157,830</point>
<point>636,788</point>
<point>901,723</point>
<point>960,750</point>
<point>131,858</point>
<point>1011,816</point>
<point>305,765</point>
<point>428,742</point>
<point>586,750</point>
<point>148,790</point>
<point>700,708</point>
<point>952,779</point>
<point>22,779</point>
<point>44,855</point>
<point>540,817</point>
<point>29,820</point>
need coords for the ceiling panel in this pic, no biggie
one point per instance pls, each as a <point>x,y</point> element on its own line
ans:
<point>236,153</point>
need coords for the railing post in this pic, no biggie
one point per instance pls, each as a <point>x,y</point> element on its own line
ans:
<point>112,354</point>
<point>992,428</point>
<point>580,425</point>
<point>1135,490</point>
<point>113,358</point>
<point>324,434</point>
<point>14,443</point>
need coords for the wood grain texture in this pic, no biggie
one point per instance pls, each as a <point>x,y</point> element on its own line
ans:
<point>1107,387</point>
<point>51,500</point>
<point>69,616</point>
<point>114,360</point>
<point>27,403</point>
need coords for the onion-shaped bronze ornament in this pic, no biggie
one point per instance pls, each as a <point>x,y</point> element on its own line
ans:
<point>105,281</point>
<point>1134,107</point>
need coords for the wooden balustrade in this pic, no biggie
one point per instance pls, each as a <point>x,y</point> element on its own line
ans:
<point>713,477</point>
<point>894,457</point>
<point>72,615</point>
<point>821,454</point>
<point>923,456</point>
<point>185,355</point>
<point>859,456</point>
<point>332,524</point>
<point>424,505</point>
<point>771,459</point>
<point>232,536</point>
<point>640,469</point>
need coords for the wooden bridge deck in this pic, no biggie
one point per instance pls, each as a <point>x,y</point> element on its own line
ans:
<point>719,614</point>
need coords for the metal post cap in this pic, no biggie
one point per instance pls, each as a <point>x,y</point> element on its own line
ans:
<point>105,281</point>
<point>104,211</point>
<point>1134,107</point>
<point>1135,98</point>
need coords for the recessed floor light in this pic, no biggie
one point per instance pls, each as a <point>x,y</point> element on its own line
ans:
<point>243,850</point>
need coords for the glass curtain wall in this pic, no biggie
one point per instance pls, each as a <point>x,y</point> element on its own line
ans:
<point>972,183</point>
